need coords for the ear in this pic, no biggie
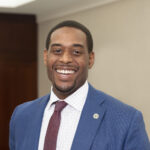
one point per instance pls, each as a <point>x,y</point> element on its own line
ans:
<point>91,59</point>
<point>45,54</point>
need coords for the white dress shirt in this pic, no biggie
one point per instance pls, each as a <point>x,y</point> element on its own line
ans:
<point>70,116</point>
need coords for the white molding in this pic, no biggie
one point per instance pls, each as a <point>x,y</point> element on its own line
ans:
<point>43,18</point>
<point>14,3</point>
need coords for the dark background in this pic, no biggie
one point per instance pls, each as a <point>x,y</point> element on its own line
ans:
<point>18,66</point>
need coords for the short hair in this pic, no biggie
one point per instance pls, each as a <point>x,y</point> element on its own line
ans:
<point>73,24</point>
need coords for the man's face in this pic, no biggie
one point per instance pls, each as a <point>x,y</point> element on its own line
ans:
<point>67,60</point>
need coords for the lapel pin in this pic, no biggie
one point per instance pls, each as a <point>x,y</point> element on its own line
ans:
<point>95,116</point>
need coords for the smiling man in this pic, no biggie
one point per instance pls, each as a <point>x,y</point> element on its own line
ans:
<point>68,60</point>
<point>75,116</point>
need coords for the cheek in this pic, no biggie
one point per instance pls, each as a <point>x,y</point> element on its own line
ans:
<point>84,64</point>
<point>49,72</point>
<point>50,62</point>
<point>49,68</point>
<point>84,68</point>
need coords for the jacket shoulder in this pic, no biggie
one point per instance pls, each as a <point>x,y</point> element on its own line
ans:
<point>122,123</point>
<point>113,103</point>
<point>32,103</point>
<point>29,107</point>
<point>116,110</point>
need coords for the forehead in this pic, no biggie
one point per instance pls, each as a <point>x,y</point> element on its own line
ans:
<point>68,34</point>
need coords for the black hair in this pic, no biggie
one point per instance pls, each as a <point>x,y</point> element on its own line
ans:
<point>73,24</point>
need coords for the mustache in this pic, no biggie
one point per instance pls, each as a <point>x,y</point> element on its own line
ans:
<point>66,66</point>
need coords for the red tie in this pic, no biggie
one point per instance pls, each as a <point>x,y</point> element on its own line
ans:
<point>53,127</point>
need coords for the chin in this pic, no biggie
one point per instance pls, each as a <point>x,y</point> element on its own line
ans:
<point>65,89</point>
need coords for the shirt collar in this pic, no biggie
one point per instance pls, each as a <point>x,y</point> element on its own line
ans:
<point>75,100</point>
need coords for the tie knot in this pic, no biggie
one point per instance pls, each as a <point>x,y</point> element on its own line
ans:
<point>60,105</point>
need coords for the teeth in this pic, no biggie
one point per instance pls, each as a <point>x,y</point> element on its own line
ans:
<point>65,71</point>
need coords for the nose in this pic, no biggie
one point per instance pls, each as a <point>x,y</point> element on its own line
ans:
<point>66,58</point>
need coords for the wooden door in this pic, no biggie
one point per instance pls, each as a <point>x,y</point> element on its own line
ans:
<point>18,67</point>
<point>17,85</point>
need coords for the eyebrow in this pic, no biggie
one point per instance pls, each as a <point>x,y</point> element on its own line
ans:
<point>74,45</point>
<point>55,44</point>
<point>78,45</point>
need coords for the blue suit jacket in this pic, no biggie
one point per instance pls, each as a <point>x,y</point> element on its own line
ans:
<point>119,126</point>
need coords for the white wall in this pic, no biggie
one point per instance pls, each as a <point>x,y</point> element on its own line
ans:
<point>121,32</point>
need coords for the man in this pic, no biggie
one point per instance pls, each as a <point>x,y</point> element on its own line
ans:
<point>91,120</point>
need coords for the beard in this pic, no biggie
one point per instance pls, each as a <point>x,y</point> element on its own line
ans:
<point>65,90</point>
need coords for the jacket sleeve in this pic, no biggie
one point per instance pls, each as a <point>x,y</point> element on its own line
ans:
<point>137,138</point>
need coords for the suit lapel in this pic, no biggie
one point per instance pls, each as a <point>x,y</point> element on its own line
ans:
<point>90,120</point>
<point>35,123</point>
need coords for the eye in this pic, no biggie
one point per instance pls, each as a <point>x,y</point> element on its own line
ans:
<point>77,52</point>
<point>57,51</point>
